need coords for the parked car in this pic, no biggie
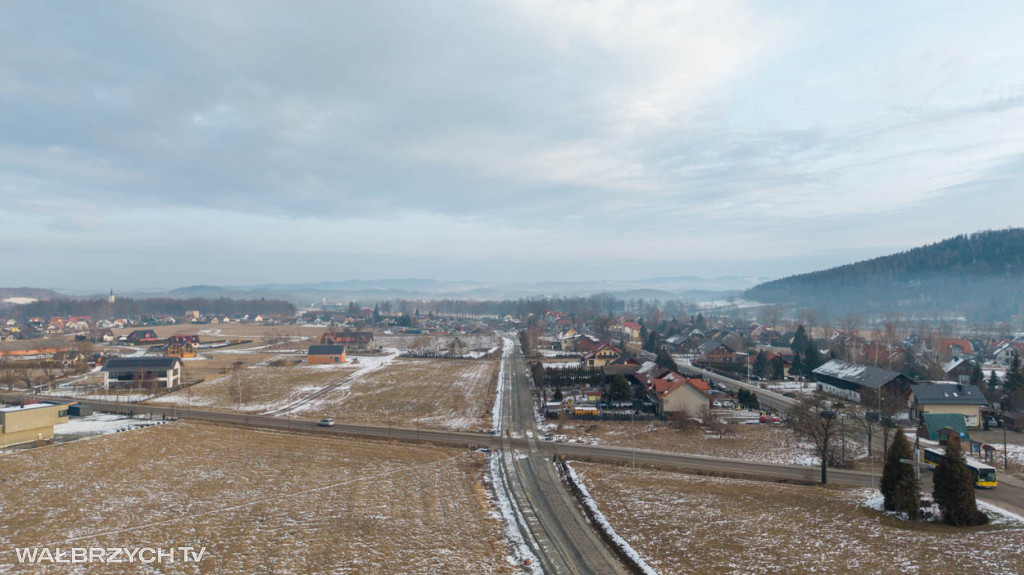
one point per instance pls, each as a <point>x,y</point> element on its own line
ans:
<point>326,422</point>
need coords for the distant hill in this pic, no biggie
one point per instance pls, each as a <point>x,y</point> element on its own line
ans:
<point>980,276</point>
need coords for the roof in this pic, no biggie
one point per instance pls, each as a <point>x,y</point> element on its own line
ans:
<point>952,364</point>
<point>15,408</point>
<point>963,344</point>
<point>672,380</point>
<point>865,375</point>
<point>948,394</point>
<point>933,422</point>
<point>150,363</point>
<point>326,350</point>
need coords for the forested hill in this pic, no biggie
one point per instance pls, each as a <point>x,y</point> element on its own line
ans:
<point>979,275</point>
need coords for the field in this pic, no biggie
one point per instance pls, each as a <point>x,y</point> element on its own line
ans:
<point>257,388</point>
<point>692,524</point>
<point>439,393</point>
<point>259,501</point>
<point>768,443</point>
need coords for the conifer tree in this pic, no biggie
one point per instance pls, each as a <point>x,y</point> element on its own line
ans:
<point>953,489</point>
<point>899,486</point>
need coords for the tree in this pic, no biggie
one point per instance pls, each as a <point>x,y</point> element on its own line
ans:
<point>812,357</point>
<point>953,489</point>
<point>1014,374</point>
<point>665,360</point>
<point>899,486</point>
<point>700,323</point>
<point>798,366</point>
<point>817,421</point>
<point>620,390</point>
<point>977,376</point>
<point>778,368</point>
<point>761,364</point>
<point>800,340</point>
<point>558,394</point>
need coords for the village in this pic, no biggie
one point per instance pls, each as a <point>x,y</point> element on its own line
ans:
<point>689,384</point>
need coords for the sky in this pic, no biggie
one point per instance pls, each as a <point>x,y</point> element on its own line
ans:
<point>164,144</point>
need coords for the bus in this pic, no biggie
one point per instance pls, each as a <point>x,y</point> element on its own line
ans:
<point>984,475</point>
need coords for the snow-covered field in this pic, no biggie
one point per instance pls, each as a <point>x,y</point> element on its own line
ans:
<point>693,524</point>
<point>259,501</point>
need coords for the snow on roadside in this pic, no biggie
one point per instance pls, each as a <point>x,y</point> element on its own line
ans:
<point>605,526</point>
<point>511,516</point>
<point>872,499</point>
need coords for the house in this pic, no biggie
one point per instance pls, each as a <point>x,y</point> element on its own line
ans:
<point>69,358</point>
<point>32,422</point>
<point>141,336</point>
<point>958,370</point>
<point>933,424</point>
<point>674,393</point>
<point>848,379</point>
<point>353,340</point>
<point>191,338</point>
<point>457,347</point>
<point>602,356</point>
<point>965,400</point>
<point>1002,353</point>
<point>955,348</point>
<point>1014,421</point>
<point>181,348</point>
<point>718,352</point>
<point>101,335</point>
<point>326,354</point>
<point>587,344</point>
<point>157,372</point>
<point>631,330</point>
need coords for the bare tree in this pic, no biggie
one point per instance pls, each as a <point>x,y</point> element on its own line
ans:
<point>817,420</point>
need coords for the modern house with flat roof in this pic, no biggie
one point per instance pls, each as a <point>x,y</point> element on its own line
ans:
<point>148,372</point>
<point>32,422</point>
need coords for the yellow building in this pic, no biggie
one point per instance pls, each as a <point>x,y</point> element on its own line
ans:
<point>25,424</point>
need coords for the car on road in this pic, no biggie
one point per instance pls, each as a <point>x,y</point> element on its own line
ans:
<point>326,422</point>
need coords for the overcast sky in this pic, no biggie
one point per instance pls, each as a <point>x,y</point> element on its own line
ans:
<point>147,144</point>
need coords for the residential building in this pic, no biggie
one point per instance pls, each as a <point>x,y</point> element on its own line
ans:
<point>148,372</point>
<point>965,400</point>
<point>326,354</point>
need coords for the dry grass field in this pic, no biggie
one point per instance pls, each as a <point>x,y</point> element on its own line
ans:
<point>692,524</point>
<point>255,388</point>
<point>438,393</point>
<point>769,443</point>
<point>259,501</point>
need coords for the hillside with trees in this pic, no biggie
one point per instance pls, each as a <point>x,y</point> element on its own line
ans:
<point>980,276</point>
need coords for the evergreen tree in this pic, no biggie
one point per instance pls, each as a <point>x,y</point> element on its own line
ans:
<point>899,486</point>
<point>812,357</point>
<point>665,360</point>
<point>993,380</point>
<point>800,340</point>
<point>558,394</point>
<point>761,364</point>
<point>700,323</point>
<point>376,313</point>
<point>652,344</point>
<point>953,489</point>
<point>620,390</point>
<point>778,368</point>
<point>798,366</point>
<point>1014,375</point>
<point>977,376</point>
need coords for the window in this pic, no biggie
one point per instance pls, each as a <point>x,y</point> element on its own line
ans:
<point>62,413</point>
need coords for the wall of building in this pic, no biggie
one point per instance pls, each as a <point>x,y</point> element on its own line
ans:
<point>326,359</point>
<point>971,413</point>
<point>685,398</point>
<point>29,424</point>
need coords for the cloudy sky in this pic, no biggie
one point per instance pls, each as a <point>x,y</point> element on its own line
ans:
<point>147,144</point>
